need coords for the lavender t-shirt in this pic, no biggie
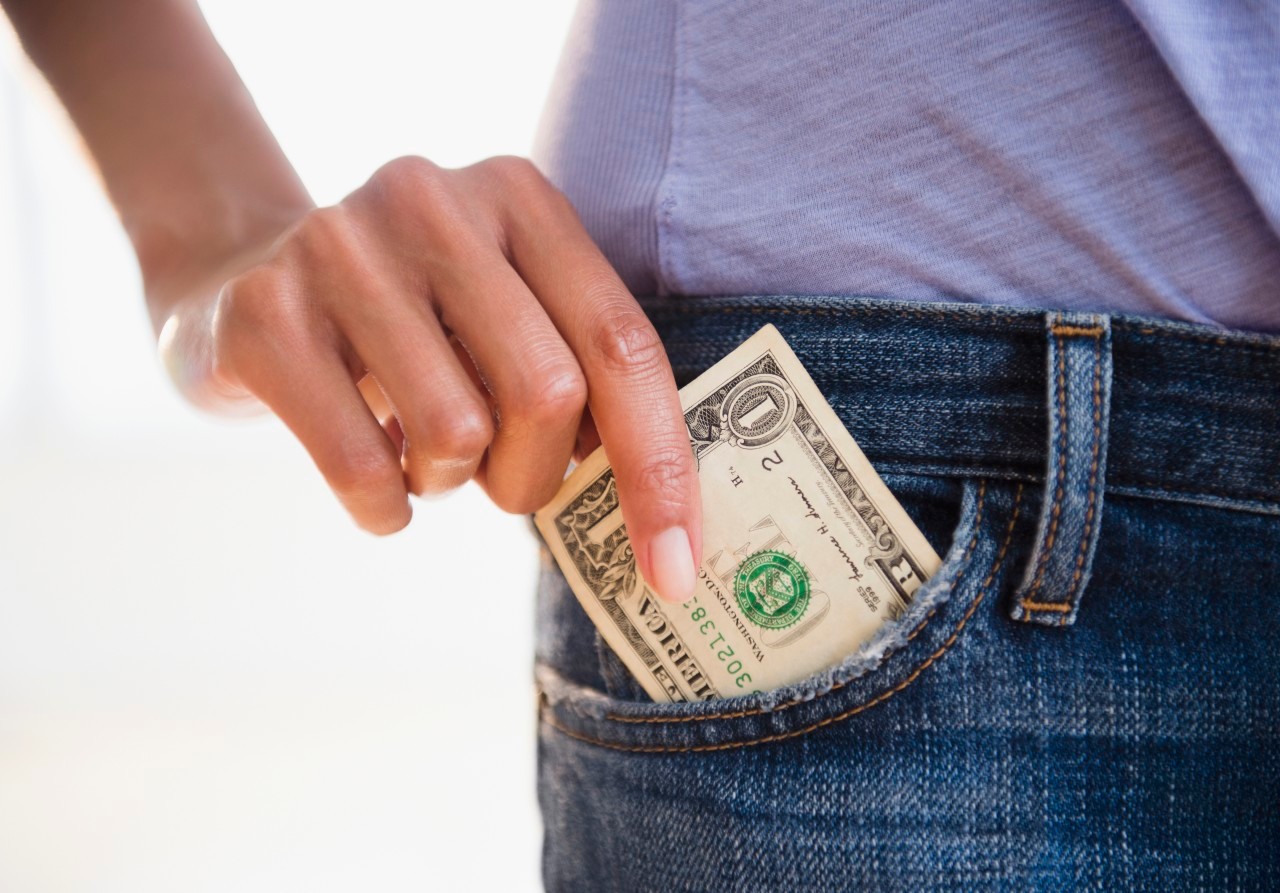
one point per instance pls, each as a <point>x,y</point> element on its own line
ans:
<point>1081,154</point>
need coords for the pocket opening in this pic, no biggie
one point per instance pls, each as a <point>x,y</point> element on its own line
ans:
<point>897,654</point>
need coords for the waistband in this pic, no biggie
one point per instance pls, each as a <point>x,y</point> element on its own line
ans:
<point>964,389</point>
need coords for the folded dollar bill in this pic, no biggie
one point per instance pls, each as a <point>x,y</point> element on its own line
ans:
<point>805,551</point>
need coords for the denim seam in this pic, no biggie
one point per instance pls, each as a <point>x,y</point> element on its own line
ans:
<point>1264,501</point>
<point>548,716</point>
<point>754,711</point>
<point>1020,322</point>
<point>1002,324</point>
<point>1236,343</point>
<point>964,543</point>
<point>909,466</point>
<point>1122,484</point>
<point>757,711</point>
<point>1196,497</point>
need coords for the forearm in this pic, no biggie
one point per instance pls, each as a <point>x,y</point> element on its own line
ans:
<point>194,173</point>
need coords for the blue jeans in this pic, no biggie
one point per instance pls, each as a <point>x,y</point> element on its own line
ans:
<point>1086,696</point>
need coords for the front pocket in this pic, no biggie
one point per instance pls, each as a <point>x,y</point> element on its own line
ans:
<point>889,663</point>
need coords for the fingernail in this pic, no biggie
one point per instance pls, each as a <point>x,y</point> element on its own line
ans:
<point>672,560</point>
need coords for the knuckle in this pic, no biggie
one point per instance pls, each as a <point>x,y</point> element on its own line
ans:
<point>460,436</point>
<point>626,342</point>
<point>519,191</point>
<point>666,478</point>
<point>249,298</point>
<point>363,473</point>
<point>411,185</point>
<point>251,310</point>
<point>516,171</point>
<point>415,194</point>
<point>555,396</point>
<point>325,236</point>
<point>408,172</point>
<point>524,494</point>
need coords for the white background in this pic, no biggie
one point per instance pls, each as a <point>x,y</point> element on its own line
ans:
<point>210,679</point>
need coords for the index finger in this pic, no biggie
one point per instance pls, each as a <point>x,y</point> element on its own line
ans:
<point>631,391</point>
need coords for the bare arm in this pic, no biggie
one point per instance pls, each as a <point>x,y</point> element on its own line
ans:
<point>193,171</point>
<point>435,326</point>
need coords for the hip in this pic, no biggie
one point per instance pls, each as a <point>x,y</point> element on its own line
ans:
<point>1083,696</point>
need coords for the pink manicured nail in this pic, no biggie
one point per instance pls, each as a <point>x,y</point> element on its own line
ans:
<point>672,560</point>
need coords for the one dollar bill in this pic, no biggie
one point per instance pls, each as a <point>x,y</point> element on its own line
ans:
<point>805,551</point>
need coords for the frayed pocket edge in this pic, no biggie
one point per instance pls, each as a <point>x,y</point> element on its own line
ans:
<point>893,637</point>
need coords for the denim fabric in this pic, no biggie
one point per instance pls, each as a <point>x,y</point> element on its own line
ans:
<point>1086,695</point>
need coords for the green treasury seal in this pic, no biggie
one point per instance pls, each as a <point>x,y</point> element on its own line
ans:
<point>772,589</point>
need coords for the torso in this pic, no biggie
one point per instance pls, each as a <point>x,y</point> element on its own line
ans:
<point>1078,154</point>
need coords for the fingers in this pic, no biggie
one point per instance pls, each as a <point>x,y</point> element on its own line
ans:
<point>444,419</point>
<point>264,345</point>
<point>633,397</point>
<point>480,320</point>
<point>446,422</point>
<point>588,438</point>
<point>539,388</point>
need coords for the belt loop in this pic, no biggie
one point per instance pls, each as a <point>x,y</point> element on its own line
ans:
<point>1079,373</point>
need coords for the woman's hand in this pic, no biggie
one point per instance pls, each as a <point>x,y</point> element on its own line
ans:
<point>440,325</point>
<point>435,326</point>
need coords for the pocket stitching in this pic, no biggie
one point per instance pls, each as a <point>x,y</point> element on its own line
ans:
<point>786,705</point>
<point>549,718</point>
